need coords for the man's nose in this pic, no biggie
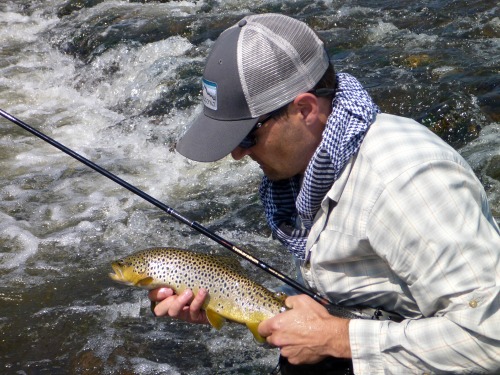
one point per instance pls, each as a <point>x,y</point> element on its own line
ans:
<point>240,152</point>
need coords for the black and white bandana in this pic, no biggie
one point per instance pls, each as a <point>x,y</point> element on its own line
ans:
<point>290,205</point>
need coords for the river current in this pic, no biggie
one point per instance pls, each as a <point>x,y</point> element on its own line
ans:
<point>118,81</point>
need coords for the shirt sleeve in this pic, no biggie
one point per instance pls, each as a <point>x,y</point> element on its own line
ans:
<point>432,225</point>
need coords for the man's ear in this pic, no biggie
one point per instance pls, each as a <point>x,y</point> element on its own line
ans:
<point>308,106</point>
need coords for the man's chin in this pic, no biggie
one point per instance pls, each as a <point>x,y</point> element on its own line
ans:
<point>274,176</point>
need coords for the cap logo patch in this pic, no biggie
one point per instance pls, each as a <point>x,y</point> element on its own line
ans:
<point>209,94</point>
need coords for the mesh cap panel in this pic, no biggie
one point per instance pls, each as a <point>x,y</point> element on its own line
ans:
<point>278,58</point>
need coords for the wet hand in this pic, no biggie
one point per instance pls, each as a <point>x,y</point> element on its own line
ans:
<point>184,306</point>
<point>307,333</point>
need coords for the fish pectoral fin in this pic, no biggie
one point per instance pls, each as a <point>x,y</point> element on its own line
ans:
<point>253,328</point>
<point>144,282</point>
<point>215,320</point>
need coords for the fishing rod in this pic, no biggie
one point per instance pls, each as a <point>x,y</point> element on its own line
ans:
<point>193,224</point>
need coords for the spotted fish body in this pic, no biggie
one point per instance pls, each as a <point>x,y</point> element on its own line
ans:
<point>231,295</point>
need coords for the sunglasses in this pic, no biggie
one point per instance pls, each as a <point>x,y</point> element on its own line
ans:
<point>249,140</point>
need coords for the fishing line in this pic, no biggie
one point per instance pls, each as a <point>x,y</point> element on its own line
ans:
<point>193,224</point>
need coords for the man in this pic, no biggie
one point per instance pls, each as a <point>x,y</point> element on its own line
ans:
<point>377,209</point>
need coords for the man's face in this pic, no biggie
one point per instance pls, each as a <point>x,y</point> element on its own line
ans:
<point>284,145</point>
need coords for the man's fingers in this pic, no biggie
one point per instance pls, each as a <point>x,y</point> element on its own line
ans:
<point>289,303</point>
<point>171,305</point>
<point>179,303</point>
<point>185,306</point>
<point>198,300</point>
<point>268,326</point>
<point>159,294</point>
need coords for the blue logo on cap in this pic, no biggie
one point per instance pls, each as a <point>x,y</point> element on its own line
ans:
<point>209,94</point>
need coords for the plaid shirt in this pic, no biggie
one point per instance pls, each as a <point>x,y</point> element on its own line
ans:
<point>407,228</point>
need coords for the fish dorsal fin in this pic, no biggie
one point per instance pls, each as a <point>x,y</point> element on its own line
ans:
<point>253,328</point>
<point>145,281</point>
<point>215,320</point>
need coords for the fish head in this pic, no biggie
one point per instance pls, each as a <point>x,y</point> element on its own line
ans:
<point>126,273</point>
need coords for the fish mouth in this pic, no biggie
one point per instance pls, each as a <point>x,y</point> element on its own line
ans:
<point>127,276</point>
<point>118,275</point>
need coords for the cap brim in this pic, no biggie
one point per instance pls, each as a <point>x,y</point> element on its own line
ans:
<point>208,139</point>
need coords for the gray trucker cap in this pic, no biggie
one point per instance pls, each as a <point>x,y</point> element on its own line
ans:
<point>255,67</point>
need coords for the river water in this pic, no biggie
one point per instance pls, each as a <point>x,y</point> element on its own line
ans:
<point>118,81</point>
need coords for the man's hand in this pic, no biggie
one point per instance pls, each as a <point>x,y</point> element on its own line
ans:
<point>307,333</point>
<point>183,306</point>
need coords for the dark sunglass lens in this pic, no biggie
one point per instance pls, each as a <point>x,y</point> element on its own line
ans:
<point>247,142</point>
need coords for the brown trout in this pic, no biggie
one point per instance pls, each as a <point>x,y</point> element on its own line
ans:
<point>231,295</point>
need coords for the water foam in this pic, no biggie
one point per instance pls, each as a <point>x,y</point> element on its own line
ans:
<point>19,242</point>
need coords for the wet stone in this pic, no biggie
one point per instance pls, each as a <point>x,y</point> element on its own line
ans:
<point>493,168</point>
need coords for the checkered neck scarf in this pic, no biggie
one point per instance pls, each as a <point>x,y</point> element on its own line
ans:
<point>291,205</point>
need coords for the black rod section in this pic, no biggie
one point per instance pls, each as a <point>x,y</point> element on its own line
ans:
<point>193,224</point>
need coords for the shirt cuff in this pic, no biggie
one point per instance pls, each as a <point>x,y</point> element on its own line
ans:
<point>365,338</point>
